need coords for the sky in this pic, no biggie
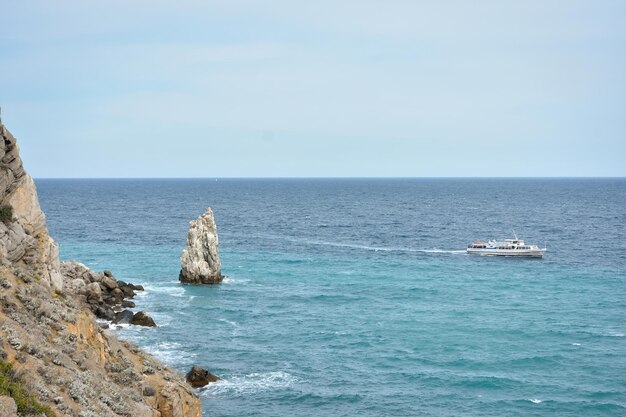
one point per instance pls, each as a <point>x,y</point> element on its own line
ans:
<point>285,88</point>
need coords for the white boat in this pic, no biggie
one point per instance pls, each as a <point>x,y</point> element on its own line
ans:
<point>506,247</point>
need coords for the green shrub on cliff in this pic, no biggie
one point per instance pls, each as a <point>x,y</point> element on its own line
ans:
<point>6,213</point>
<point>13,386</point>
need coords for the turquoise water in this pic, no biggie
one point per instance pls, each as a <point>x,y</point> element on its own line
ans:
<point>355,297</point>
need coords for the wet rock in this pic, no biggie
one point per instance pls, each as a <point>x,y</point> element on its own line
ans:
<point>104,312</point>
<point>127,291</point>
<point>142,319</point>
<point>123,317</point>
<point>128,304</point>
<point>198,377</point>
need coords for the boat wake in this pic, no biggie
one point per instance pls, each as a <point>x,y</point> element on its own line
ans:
<point>364,247</point>
<point>379,248</point>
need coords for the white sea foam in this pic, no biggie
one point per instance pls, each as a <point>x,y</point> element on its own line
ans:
<point>232,323</point>
<point>162,319</point>
<point>169,352</point>
<point>250,384</point>
<point>174,291</point>
<point>535,400</point>
<point>231,281</point>
<point>575,344</point>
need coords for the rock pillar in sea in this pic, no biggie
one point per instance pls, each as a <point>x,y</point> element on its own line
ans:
<point>200,261</point>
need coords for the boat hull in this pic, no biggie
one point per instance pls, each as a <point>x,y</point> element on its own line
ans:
<point>530,253</point>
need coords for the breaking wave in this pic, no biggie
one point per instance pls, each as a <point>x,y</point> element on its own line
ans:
<point>250,384</point>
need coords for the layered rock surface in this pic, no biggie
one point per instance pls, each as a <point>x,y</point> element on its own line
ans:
<point>24,240</point>
<point>200,261</point>
<point>48,329</point>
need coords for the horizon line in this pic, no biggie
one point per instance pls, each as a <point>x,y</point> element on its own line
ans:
<point>328,177</point>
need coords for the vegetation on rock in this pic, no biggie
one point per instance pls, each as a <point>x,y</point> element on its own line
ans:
<point>13,386</point>
<point>6,213</point>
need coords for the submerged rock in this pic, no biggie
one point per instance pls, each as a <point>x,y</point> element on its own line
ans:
<point>198,377</point>
<point>200,261</point>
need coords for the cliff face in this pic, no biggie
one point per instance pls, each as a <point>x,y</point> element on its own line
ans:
<point>24,240</point>
<point>50,335</point>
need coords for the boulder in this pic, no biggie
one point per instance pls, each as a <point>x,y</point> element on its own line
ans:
<point>123,317</point>
<point>109,283</point>
<point>104,312</point>
<point>93,292</point>
<point>198,377</point>
<point>77,285</point>
<point>142,319</point>
<point>200,261</point>
<point>127,291</point>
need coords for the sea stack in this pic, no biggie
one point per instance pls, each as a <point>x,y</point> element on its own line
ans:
<point>200,261</point>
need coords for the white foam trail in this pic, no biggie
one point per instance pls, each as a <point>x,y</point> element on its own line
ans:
<point>250,384</point>
<point>376,248</point>
<point>535,401</point>
<point>363,247</point>
<point>575,344</point>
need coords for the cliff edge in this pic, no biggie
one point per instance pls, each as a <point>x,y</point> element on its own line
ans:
<point>49,336</point>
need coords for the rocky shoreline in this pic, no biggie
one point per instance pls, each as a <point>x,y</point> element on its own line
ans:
<point>49,334</point>
<point>108,298</point>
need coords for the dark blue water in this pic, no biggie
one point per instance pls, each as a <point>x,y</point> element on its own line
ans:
<point>355,297</point>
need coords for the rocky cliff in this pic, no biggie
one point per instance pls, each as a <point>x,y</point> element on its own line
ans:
<point>24,239</point>
<point>200,261</point>
<point>48,331</point>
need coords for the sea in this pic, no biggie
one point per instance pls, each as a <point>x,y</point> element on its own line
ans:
<point>355,297</point>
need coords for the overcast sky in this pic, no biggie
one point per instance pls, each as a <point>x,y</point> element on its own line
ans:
<point>318,88</point>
